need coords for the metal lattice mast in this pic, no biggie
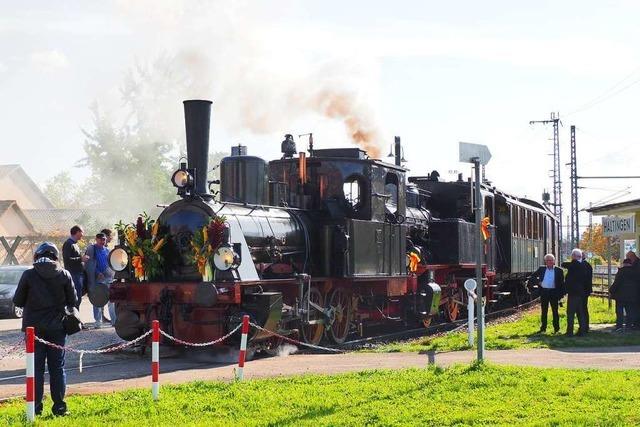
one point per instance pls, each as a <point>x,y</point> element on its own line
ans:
<point>557,182</point>
<point>575,227</point>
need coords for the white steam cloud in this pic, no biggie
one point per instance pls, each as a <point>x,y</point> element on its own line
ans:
<point>235,54</point>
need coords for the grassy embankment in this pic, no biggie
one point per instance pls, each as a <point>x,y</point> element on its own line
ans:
<point>460,395</point>
<point>522,333</point>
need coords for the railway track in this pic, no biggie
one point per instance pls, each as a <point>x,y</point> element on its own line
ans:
<point>438,329</point>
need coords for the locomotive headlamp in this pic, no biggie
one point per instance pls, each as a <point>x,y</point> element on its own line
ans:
<point>225,258</point>
<point>182,179</point>
<point>118,259</point>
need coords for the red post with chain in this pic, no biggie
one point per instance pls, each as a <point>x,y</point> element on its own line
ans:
<point>155,359</point>
<point>243,347</point>
<point>30,347</point>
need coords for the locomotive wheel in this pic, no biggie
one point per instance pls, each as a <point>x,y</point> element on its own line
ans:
<point>340,304</point>
<point>452,308</point>
<point>312,334</point>
<point>273,346</point>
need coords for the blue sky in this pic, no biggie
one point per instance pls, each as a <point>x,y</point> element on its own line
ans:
<point>433,72</point>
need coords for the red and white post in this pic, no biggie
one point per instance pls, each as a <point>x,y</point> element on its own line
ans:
<point>155,359</point>
<point>31,390</point>
<point>243,347</point>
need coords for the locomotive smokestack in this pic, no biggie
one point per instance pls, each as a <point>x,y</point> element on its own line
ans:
<point>197,120</point>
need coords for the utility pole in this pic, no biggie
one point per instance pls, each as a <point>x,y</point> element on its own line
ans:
<point>557,183</point>
<point>575,227</point>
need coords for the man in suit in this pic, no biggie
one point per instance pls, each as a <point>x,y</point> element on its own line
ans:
<point>551,281</point>
<point>576,285</point>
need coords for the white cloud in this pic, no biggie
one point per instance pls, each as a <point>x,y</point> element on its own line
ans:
<point>49,60</point>
<point>3,68</point>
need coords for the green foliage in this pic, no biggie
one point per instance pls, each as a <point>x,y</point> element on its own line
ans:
<point>597,260</point>
<point>63,192</point>
<point>127,169</point>
<point>132,152</point>
<point>522,333</point>
<point>462,395</point>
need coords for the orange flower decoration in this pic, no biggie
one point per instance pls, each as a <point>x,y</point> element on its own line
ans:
<point>138,266</point>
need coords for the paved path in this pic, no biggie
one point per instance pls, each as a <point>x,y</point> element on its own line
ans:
<point>134,371</point>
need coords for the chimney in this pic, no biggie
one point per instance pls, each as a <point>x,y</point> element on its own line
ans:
<point>197,120</point>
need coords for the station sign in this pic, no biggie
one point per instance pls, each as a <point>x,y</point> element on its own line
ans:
<point>618,225</point>
<point>469,152</point>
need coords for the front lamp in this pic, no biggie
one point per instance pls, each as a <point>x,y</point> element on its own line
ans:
<point>182,179</point>
<point>225,258</point>
<point>118,259</point>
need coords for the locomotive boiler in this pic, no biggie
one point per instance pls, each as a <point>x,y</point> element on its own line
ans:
<point>318,245</point>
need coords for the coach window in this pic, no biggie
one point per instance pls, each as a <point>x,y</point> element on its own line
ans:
<point>391,192</point>
<point>523,222</point>
<point>514,220</point>
<point>352,189</point>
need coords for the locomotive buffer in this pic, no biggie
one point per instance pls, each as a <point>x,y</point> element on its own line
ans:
<point>477,155</point>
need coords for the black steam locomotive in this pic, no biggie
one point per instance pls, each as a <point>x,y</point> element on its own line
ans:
<point>320,244</point>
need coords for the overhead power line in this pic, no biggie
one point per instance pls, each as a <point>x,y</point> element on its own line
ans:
<point>614,90</point>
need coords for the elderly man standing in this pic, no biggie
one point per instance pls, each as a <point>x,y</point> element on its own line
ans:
<point>576,283</point>
<point>551,280</point>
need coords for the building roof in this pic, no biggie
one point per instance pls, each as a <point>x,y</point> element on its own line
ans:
<point>630,206</point>
<point>6,205</point>
<point>59,221</point>
<point>21,178</point>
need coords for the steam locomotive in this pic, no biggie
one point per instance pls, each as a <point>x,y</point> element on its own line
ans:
<point>321,245</point>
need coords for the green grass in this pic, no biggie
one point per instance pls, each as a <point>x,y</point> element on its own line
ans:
<point>522,333</point>
<point>461,395</point>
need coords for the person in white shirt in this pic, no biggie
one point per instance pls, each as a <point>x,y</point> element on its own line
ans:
<point>551,281</point>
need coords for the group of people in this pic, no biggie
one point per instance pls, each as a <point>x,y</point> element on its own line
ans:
<point>48,292</point>
<point>577,285</point>
<point>90,268</point>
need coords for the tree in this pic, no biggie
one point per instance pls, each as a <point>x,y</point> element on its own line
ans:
<point>62,191</point>
<point>132,152</point>
<point>132,159</point>
<point>593,240</point>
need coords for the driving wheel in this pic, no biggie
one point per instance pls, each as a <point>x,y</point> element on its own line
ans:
<point>312,333</point>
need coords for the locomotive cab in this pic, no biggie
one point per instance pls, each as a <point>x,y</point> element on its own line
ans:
<point>360,204</point>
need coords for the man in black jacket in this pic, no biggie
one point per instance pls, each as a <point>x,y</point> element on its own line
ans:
<point>588,271</point>
<point>626,291</point>
<point>73,260</point>
<point>576,285</point>
<point>45,292</point>
<point>551,281</point>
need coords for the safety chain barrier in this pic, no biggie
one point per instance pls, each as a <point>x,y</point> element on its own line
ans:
<point>97,351</point>
<point>200,344</point>
<point>296,342</point>
<point>155,332</point>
